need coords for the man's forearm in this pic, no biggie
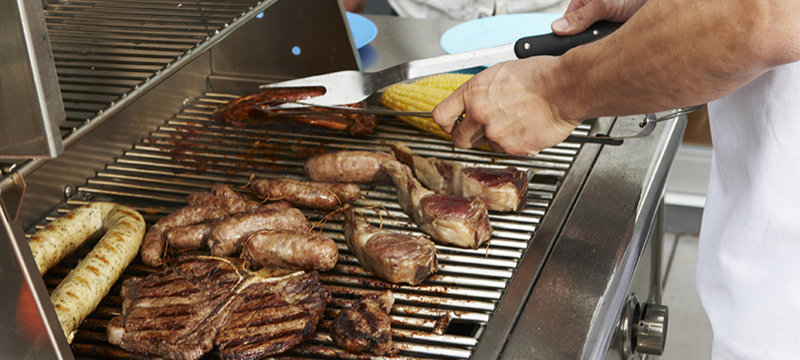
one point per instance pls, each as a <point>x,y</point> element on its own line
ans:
<point>675,53</point>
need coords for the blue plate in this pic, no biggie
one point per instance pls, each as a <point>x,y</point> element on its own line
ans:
<point>495,30</point>
<point>363,29</point>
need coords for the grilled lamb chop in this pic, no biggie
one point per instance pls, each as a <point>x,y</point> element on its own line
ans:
<point>392,256</point>
<point>316,195</point>
<point>501,189</point>
<point>366,327</point>
<point>447,219</point>
<point>153,244</point>
<point>288,249</point>
<point>184,310</point>
<point>360,167</point>
<point>245,111</point>
<point>228,236</point>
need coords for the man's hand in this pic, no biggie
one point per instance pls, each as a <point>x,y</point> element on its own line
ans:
<point>583,13</point>
<point>508,106</point>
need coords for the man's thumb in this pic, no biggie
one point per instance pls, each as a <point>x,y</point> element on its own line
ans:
<point>577,20</point>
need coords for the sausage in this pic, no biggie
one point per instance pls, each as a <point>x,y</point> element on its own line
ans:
<point>153,245</point>
<point>288,249</point>
<point>223,197</point>
<point>316,195</point>
<point>227,236</point>
<point>360,167</point>
<point>81,291</point>
<point>189,236</point>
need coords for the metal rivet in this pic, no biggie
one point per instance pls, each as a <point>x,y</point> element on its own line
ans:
<point>69,190</point>
<point>527,46</point>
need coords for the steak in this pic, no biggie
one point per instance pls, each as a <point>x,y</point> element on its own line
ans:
<point>501,189</point>
<point>447,219</point>
<point>183,311</point>
<point>366,327</point>
<point>389,255</point>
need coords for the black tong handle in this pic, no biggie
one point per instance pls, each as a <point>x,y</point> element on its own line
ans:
<point>552,44</point>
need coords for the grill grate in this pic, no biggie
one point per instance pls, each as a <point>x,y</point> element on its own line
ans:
<point>442,318</point>
<point>108,52</point>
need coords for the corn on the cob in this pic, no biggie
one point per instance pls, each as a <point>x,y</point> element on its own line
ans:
<point>424,95</point>
<point>413,97</point>
<point>449,82</point>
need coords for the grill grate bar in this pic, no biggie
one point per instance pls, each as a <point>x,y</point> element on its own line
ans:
<point>191,152</point>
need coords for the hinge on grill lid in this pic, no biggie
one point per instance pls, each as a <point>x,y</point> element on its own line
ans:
<point>12,190</point>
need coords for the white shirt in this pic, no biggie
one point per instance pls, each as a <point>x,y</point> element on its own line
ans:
<point>748,265</point>
<point>473,9</point>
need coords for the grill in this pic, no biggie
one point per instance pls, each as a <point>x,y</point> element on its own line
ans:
<point>138,83</point>
<point>445,316</point>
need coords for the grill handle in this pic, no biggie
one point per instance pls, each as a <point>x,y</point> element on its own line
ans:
<point>552,44</point>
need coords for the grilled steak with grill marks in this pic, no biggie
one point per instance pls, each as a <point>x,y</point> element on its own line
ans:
<point>183,311</point>
<point>366,327</point>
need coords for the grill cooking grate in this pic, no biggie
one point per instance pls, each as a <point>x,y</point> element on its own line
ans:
<point>442,318</point>
<point>109,52</point>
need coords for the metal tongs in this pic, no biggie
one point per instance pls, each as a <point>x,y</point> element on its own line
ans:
<point>648,124</point>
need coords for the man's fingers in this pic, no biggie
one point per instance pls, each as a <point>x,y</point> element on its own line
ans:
<point>448,112</point>
<point>468,133</point>
<point>580,19</point>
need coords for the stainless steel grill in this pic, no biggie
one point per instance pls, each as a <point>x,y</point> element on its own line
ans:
<point>443,317</point>
<point>139,80</point>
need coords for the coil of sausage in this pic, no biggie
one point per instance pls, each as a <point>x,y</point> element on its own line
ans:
<point>81,291</point>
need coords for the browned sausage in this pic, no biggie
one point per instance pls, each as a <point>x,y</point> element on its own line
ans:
<point>223,197</point>
<point>154,240</point>
<point>288,249</point>
<point>316,195</point>
<point>360,167</point>
<point>189,236</point>
<point>227,236</point>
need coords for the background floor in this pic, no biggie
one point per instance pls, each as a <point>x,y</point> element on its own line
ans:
<point>689,332</point>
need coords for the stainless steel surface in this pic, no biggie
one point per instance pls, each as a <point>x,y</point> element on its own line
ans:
<point>11,196</point>
<point>581,292</point>
<point>190,152</point>
<point>265,46</point>
<point>651,332</point>
<point>29,328</point>
<point>30,101</point>
<point>350,86</point>
<point>107,54</point>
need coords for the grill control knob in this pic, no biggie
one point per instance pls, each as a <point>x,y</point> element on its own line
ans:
<point>643,328</point>
<point>651,332</point>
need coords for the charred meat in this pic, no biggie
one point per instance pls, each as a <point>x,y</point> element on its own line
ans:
<point>247,111</point>
<point>366,326</point>
<point>360,167</point>
<point>389,255</point>
<point>292,250</point>
<point>501,189</point>
<point>447,219</point>
<point>315,195</point>
<point>183,311</point>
